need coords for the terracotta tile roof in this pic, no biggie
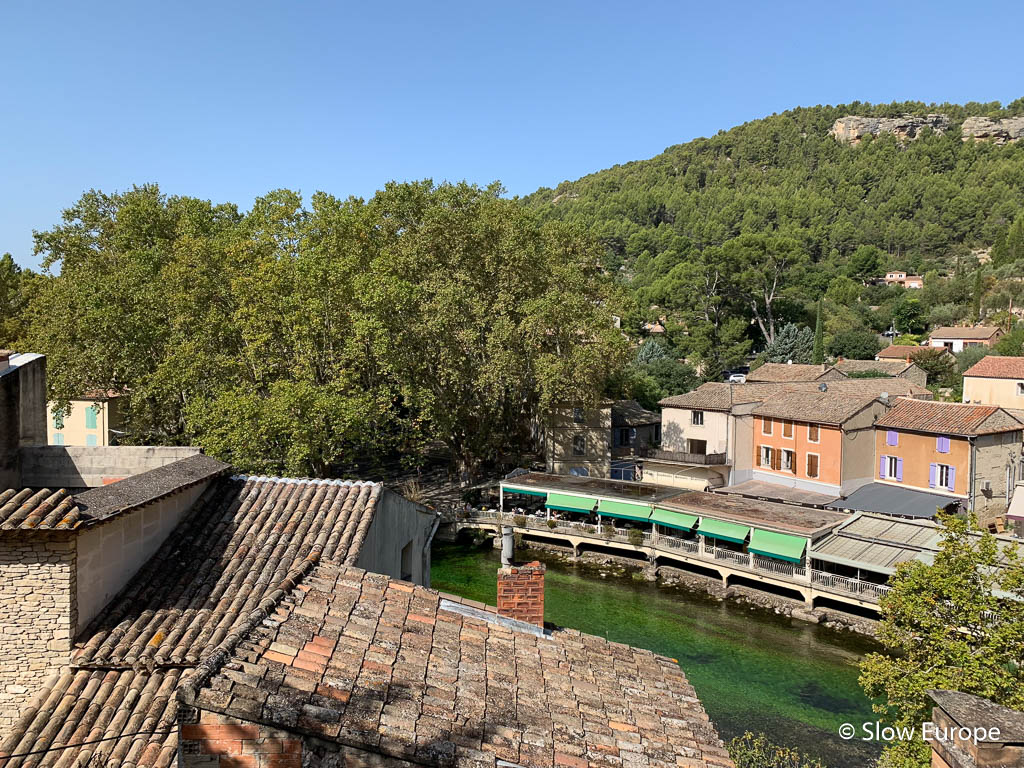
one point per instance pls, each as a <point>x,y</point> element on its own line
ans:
<point>244,543</point>
<point>948,418</point>
<point>42,510</point>
<point>722,396</point>
<point>900,351</point>
<point>786,372</point>
<point>995,367</point>
<point>892,367</point>
<point>370,663</point>
<point>975,333</point>
<point>831,407</point>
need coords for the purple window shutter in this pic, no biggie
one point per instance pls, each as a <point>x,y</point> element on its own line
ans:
<point>899,470</point>
<point>942,444</point>
<point>891,438</point>
<point>933,474</point>
<point>952,478</point>
<point>881,468</point>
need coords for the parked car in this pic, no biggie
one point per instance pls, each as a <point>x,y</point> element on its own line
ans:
<point>737,378</point>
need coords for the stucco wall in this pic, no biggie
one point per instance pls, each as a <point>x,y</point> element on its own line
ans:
<point>73,429</point>
<point>37,615</point>
<point>22,413</point>
<point>677,427</point>
<point>919,452</point>
<point>828,448</point>
<point>1002,392</point>
<point>397,522</point>
<point>58,466</point>
<point>110,553</point>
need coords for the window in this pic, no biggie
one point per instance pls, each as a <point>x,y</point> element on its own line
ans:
<point>407,562</point>
<point>890,468</point>
<point>766,426</point>
<point>90,416</point>
<point>765,459</point>
<point>90,440</point>
<point>697,418</point>
<point>577,415</point>
<point>812,434</point>
<point>942,476</point>
<point>579,445</point>
<point>942,444</point>
<point>58,420</point>
<point>624,435</point>
<point>787,429</point>
<point>579,472</point>
<point>1020,388</point>
<point>657,433</point>
<point>58,439</point>
<point>812,465</point>
<point>789,461</point>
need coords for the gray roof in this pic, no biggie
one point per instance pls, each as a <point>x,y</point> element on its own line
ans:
<point>629,413</point>
<point>877,542</point>
<point>892,500</point>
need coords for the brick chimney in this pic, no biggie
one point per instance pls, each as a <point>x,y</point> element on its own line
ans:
<point>5,359</point>
<point>521,592</point>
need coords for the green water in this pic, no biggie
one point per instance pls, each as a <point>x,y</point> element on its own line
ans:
<point>752,669</point>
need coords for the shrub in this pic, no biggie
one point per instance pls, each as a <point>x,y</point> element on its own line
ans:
<point>608,530</point>
<point>552,524</point>
<point>749,751</point>
<point>636,537</point>
<point>519,521</point>
<point>854,345</point>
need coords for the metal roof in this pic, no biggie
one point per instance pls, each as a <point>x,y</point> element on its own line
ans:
<point>891,500</point>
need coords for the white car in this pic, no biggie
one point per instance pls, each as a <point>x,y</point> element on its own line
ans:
<point>738,378</point>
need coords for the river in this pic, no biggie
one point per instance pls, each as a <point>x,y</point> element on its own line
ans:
<point>753,670</point>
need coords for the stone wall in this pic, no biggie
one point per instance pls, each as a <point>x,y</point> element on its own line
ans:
<point>110,553</point>
<point>79,466</point>
<point>22,412</point>
<point>38,615</point>
<point>996,460</point>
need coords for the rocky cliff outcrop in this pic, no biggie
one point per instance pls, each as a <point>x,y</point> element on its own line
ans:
<point>851,129</point>
<point>996,131</point>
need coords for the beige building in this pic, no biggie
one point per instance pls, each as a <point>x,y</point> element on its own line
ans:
<point>605,441</point>
<point>956,338</point>
<point>94,420</point>
<point>995,381</point>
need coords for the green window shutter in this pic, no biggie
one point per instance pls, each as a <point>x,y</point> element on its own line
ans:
<point>718,529</point>
<point>624,509</point>
<point>90,440</point>
<point>780,546</point>
<point>90,416</point>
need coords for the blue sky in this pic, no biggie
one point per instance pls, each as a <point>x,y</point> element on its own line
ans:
<point>226,100</point>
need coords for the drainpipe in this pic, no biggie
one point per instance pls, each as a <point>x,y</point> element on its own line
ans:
<point>974,464</point>
<point>425,555</point>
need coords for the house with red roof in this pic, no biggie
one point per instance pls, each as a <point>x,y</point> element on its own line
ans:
<point>995,381</point>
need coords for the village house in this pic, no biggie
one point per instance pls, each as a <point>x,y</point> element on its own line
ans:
<point>898,277</point>
<point>95,419</point>
<point>786,372</point>
<point>955,339</point>
<point>901,368</point>
<point>968,455</point>
<point>842,369</point>
<point>995,381</point>
<point>600,442</point>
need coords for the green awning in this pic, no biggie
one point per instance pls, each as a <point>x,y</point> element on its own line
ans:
<point>781,546</point>
<point>672,519</point>
<point>567,502</point>
<point>526,491</point>
<point>624,509</point>
<point>718,529</point>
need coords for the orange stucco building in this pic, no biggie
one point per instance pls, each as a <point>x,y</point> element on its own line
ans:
<point>795,448</point>
<point>940,463</point>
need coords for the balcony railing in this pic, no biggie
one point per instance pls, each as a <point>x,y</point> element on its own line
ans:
<point>683,457</point>
<point>699,549</point>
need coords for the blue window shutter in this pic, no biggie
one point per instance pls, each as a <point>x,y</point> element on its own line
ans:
<point>952,478</point>
<point>58,439</point>
<point>933,474</point>
<point>881,468</point>
<point>90,417</point>
<point>899,470</point>
<point>891,438</point>
<point>90,440</point>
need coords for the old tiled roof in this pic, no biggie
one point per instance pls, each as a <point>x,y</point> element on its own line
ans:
<point>722,396</point>
<point>994,367</point>
<point>830,407</point>
<point>383,666</point>
<point>948,418</point>
<point>629,413</point>
<point>786,372</point>
<point>900,351</point>
<point>244,543</point>
<point>975,333</point>
<point>42,510</point>
<point>891,367</point>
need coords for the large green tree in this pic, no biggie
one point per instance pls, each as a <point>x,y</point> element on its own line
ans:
<point>955,624</point>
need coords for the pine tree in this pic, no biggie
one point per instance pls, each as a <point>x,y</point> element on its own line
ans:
<point>818,355</point>
<point>976,297</point>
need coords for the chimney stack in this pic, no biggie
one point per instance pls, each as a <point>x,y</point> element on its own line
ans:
<point>5,359</point>
<point>521,592</point>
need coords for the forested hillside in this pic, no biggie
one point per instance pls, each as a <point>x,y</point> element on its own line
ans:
<point>738,234</point>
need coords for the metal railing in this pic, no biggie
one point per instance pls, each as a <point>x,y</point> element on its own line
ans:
<point>683,457</point>
<point>700,550</point>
